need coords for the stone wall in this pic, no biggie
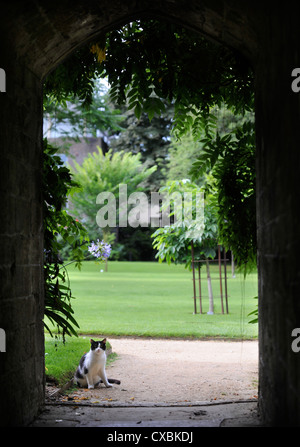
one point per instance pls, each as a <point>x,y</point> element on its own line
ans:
<point>21,242</point>
<point>278,201</point>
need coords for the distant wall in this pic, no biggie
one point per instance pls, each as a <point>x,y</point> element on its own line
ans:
<point>78,151</point>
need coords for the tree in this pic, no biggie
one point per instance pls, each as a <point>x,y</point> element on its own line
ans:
<point>149,138</point>
<point>181,155</point>
<point>104,173</point>
<point>73,120</point>
<point>173,242</point>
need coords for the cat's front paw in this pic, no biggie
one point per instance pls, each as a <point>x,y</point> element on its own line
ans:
<point>109,385</point>
<point>90,387</point>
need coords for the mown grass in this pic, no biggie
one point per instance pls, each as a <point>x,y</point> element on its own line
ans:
<point>156,300</point>
<point>147,299</point>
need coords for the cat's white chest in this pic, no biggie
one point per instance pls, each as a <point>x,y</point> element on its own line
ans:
<point>96,361</point>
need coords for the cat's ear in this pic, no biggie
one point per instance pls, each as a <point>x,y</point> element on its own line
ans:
<point>91,341</point>
<point>104,341</point>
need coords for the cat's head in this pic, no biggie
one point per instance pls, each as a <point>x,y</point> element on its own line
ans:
<point>98,345</point>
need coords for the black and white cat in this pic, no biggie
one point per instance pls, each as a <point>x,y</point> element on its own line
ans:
<point>91,369</point>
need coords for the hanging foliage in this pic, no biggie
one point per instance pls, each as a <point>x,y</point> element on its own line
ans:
<point>59,229</point>
<point>146,61</point>
<point>149,61</point>
<point>231,161</point>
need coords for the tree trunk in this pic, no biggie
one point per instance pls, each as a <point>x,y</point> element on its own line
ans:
<point>232,265</point>
<point>210,293</point>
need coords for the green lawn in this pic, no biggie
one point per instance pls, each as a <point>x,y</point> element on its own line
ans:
<point>151,299</point>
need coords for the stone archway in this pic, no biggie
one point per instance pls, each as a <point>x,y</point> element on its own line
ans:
<point>36,36</point>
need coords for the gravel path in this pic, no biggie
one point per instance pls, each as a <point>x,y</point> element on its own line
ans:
<point>178,371</point>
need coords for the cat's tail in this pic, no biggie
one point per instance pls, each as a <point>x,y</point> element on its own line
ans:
<point>118,382</point>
